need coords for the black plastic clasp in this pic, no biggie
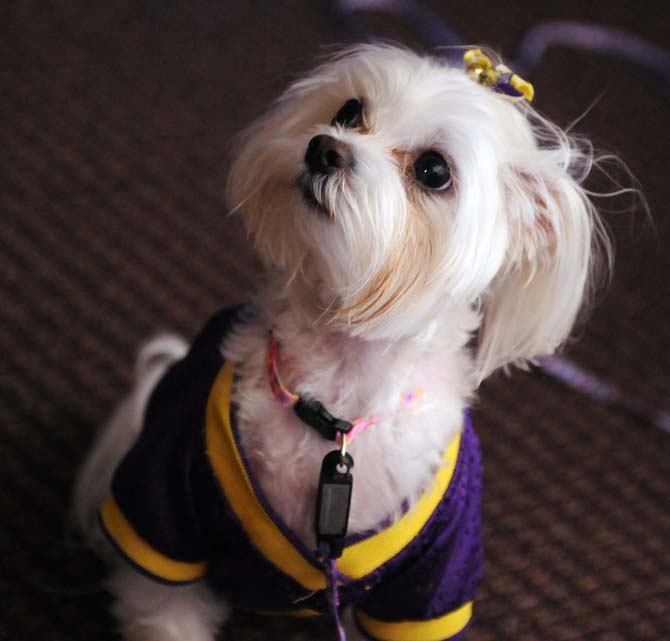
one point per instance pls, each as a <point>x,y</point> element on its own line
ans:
<point>313,413</point>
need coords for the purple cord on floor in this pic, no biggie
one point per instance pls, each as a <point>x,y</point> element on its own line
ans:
<point>653,59</point>
<point>593,38</point>
<point>572,375</point>
<point>332,589</point>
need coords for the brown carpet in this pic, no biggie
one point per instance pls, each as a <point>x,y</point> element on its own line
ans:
<point>116,121</point>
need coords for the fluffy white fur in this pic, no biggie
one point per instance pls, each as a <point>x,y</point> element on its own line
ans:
<point>397,288</point>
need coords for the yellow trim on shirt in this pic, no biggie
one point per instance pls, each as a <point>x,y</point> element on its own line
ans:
<point>141,553</point>
<point>443,627</point>
<point>366,556</point>
<point>236,485</point>
<point>359,559</point>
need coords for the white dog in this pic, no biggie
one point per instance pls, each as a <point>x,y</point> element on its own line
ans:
<point>420,231</point>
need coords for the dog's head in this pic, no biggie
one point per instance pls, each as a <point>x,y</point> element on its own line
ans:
<point>396,191</point>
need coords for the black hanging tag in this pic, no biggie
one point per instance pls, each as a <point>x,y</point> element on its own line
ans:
<point>333,501</point>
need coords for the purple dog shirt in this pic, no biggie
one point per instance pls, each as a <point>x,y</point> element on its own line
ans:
<point>184,506</point>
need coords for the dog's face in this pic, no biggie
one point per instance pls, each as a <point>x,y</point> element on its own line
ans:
<point>395,190</point>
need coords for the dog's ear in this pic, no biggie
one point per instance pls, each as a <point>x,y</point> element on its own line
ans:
<point>557,243</point>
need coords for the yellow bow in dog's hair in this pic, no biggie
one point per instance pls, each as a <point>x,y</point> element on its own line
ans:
<point>500,78</point>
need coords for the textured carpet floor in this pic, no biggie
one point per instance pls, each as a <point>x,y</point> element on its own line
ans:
<point>116,120</point>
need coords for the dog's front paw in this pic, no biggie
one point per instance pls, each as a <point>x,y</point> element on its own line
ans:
<point>150,611</point>
<point>169,628</point>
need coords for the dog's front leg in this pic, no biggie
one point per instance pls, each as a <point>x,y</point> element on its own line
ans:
<point>151,611</point>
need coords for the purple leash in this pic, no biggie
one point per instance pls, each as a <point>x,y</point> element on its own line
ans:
<point>570,374</point>
<point>333,593</point>
<point>653,59</point>
<point>334,597</point>
<point>425,22</point>
<point>592,37</point>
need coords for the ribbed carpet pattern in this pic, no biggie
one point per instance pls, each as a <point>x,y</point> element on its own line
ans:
<point>116,123</point>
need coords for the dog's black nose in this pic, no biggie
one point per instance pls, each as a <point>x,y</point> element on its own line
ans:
<point>325,154</point>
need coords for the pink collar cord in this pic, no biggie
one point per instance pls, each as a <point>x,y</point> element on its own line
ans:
<point>288,399</point>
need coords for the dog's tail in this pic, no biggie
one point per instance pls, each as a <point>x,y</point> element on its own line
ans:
<point>119,433</point>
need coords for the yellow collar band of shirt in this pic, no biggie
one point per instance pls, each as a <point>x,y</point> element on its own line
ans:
<point>358,559</point>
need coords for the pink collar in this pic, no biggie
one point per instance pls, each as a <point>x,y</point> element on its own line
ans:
<point>312,412</point>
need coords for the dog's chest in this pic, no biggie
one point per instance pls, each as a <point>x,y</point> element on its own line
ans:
<point>395,459</point>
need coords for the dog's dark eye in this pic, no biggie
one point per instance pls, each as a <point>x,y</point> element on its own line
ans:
<point>350,114</point>
<point>432,171</point>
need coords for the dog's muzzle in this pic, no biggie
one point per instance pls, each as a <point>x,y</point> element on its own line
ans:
<point>325,155</point>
